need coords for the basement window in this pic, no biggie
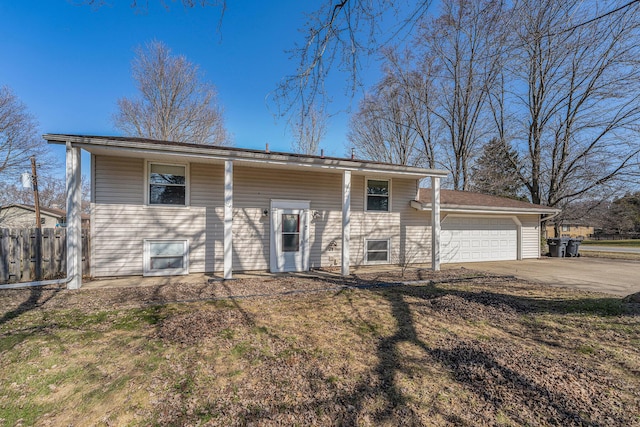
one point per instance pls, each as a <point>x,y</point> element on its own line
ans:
<point>166,257</point>
<point>377,251</point>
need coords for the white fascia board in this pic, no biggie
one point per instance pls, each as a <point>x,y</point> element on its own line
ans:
<point>483,209</point>
<point>249,157</point>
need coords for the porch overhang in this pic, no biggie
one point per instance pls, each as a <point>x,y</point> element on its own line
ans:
<point>140,147</point>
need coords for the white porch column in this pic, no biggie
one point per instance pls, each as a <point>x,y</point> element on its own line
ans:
<point>346,220</point>
<point>74,224</point>
<point>228,219</point>
<point>435,223</point>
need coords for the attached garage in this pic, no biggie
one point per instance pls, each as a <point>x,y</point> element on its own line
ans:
<point>473,239</point>
<point>477,227</point>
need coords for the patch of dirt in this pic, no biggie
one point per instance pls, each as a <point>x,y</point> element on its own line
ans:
<point>633,298</point>
<point>481,307</point>
<point>532,389</point>
<point>196,326</point>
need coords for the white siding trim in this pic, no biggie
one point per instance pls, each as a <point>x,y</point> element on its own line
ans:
<point>435,223</point>
<point>92,215</point>
<point>519,233</point>
<point>346,220</point>
<point>228,219</point>
<point>74,223</point>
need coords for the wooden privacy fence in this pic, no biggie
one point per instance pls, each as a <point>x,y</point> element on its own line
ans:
<point>30,254</point>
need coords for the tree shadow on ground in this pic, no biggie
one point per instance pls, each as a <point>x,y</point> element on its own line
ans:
<point>37,297</point>
<point>521,393</point>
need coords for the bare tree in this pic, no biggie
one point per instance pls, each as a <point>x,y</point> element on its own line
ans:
<point>576,90</point>
<point>52,193</point>
<point>382,128</point>
<point>50,189</point>
<point>309,130</point>
<point>415,85</point>
<point>465,41</point>
<point>174,104</point>
<point>19,137</point>
<point>337,37</point>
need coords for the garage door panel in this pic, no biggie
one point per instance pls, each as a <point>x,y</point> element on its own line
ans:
<point>465,239</point>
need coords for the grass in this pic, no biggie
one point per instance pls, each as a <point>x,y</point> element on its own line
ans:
<point>463,354</point>
<point>630,243</point>
<point>611,255</point>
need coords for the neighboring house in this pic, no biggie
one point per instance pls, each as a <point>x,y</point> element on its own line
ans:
<point>163,208</point>
<point>573,230</point>
<point>24,216</point>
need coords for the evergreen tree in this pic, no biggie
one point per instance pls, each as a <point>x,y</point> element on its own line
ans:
<point>494,172</point>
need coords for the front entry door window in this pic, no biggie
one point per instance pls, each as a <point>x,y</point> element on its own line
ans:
<point>290,232</point>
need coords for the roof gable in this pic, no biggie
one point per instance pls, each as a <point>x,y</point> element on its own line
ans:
<point>58,213</point>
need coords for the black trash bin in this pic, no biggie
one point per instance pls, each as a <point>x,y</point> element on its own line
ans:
<point>573,246</point>
<point>557,247</point>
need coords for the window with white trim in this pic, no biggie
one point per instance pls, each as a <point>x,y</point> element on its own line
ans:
<point>377,251</point>
<point>167,184</point>
<point>378,195</point>
<point>166,257</point>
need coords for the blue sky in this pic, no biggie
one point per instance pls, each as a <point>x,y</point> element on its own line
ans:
<point>69,64</point>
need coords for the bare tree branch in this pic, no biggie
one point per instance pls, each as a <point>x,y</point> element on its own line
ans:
<point>337,37</point>
<point>174,105</point>
<point>582,99</point>
<point>19,137</point>
<point>308,131</point>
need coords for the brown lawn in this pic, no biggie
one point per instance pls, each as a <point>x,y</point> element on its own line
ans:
<point>457,348</point>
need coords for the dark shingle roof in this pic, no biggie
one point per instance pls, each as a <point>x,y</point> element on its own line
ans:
<point>467,198</point>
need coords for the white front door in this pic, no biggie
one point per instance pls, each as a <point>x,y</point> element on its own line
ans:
<point>289,236</point>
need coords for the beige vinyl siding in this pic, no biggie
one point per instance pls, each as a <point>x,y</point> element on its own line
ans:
<point>253,190</point>
<point>17,217</point>
<point>530,236</point>
<point>408,229</point>
<point>121,221</point>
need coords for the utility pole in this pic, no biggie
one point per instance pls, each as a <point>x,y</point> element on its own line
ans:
<point>36,196</point>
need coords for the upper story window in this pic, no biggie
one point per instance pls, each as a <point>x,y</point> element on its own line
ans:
<point>378,195</point>
<point>565,228</point>
<point>167,184</point>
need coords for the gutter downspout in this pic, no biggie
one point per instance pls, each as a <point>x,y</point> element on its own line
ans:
<point>36,283</point>
<point>546,218</point>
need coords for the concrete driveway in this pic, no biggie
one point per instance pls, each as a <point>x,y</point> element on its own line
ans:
<point>618,277</point>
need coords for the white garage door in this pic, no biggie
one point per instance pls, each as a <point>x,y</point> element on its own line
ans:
<point>467,239</point>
